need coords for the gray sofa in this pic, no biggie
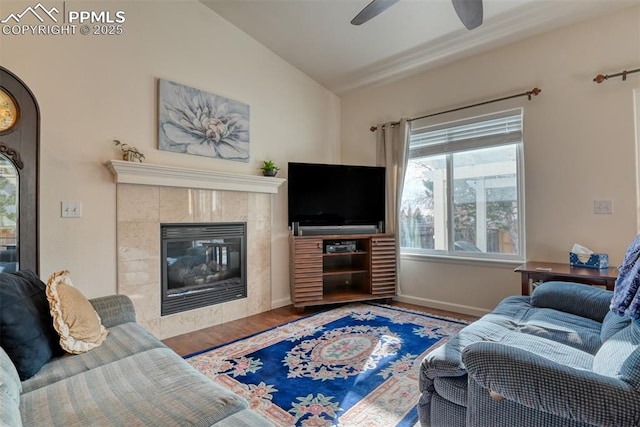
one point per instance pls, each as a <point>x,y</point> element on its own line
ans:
<point>557,358</point>
<point>132,379</point>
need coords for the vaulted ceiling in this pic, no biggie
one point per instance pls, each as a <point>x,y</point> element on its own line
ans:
<point>316,36</point>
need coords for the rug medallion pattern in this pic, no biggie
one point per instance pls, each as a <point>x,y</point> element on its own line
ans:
<point>351,366</point>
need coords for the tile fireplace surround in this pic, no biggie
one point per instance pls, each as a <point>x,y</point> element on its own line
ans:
<point>148,195</point>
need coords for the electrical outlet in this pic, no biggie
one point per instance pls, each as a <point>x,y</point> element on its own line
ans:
<point>71,209</point>
<point>602,207</point>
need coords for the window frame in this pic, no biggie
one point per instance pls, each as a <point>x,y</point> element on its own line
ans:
<point>448,150</point>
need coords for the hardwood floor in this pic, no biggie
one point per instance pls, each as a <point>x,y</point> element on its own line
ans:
<point>220,334</point>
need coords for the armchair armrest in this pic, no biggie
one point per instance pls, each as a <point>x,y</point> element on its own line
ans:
<point>585,301</point>
<point>540,383</point>
<point>114,309</point>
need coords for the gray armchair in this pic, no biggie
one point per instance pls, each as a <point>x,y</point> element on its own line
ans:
<point>558,393</point>
<point>557,358</point>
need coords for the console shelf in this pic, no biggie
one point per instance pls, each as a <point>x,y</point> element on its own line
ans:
<point>366,272</point>
<point>343,271</point>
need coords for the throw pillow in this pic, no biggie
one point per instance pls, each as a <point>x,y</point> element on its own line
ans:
<point>75,319</point>
<point>26,330</point>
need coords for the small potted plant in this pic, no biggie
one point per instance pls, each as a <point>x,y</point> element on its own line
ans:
<point>130,154</point>
<point>269,168</point>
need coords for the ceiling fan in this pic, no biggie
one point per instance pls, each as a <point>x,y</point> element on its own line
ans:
<point>469,11</point>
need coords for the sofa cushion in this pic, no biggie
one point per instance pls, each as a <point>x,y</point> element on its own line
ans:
<point>584,301</point>
<point>10,388</point>
<point>446,360</point>
<point>154,388</point>
<point>612,324</point>
<point>557,351</point>
<point>123,341</point>
<point>74,318</point>
<point>26,328</point>
<point>578,332</point>
<point>619,356</point>
<point>510,311</point>
<point>114,309</point>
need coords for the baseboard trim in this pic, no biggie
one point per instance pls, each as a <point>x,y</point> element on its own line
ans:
<point>441,305</point>
<point>424,302</point>
<point>280,303</point>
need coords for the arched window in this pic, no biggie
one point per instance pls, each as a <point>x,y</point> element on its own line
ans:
<point>19,149</point>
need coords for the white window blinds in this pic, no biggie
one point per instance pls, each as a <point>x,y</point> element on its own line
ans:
<point>484,131</point>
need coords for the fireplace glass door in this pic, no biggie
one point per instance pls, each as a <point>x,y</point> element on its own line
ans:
<point>203,264</point>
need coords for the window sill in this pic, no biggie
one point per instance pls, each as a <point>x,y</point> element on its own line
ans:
<point>462,260</point>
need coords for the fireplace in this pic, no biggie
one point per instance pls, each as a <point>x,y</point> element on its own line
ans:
<point>149,195</point>
<point>202,264</point>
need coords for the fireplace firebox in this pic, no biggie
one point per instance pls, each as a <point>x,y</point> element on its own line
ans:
<point>202,264</point>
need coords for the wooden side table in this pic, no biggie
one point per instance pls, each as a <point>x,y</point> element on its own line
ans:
<point>547,271</point>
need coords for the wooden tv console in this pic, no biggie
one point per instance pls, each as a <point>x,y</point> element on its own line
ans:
<point>319,277</point>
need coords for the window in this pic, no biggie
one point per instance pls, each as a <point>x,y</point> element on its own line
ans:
<point>462,193</point>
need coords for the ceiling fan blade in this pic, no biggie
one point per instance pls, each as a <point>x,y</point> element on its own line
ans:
<point>469,12</point>
<point>373,9</point>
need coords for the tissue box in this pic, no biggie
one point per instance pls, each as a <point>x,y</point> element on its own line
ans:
<point>595,260</point>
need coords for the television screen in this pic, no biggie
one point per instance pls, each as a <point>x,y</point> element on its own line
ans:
<point>335,195</point>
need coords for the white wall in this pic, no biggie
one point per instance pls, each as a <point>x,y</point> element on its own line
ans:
<point>579,146</point>
<point>93,89</point>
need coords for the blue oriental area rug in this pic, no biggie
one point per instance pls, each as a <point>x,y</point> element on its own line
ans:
<point>356,365</point>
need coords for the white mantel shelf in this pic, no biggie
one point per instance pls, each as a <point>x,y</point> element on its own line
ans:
<point>170,176</point>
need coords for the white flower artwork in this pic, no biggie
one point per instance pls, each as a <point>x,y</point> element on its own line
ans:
<point>195,122</point>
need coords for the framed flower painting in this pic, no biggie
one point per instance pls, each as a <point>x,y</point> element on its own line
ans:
<point>195,122</point>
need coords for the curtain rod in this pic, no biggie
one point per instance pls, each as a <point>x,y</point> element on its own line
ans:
<point>601,78</point>
<point>533,92</point>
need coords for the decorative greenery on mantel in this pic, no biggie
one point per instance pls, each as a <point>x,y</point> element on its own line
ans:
<point>171,176</point>
<point>269,168</point>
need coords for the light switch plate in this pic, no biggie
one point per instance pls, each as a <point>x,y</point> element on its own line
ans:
<point>71,209</point>
<point>602,207</point>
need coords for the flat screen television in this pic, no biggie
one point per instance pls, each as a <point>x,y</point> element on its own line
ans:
<point>336,199</point>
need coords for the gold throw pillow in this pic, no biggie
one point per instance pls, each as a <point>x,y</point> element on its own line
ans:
<point>74,318</point>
